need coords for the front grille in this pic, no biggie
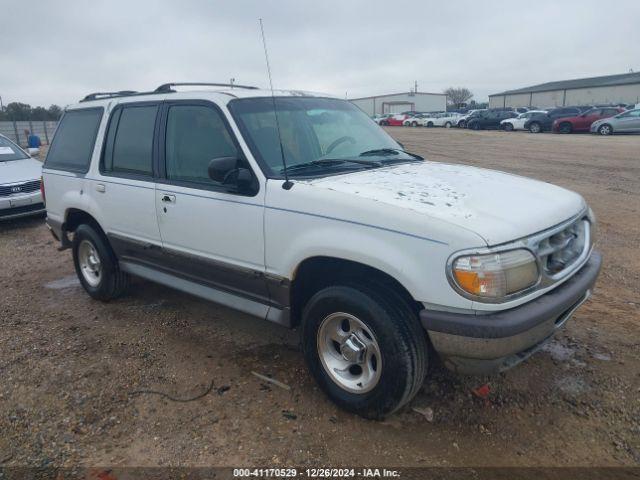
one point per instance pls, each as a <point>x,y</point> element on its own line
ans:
<point>560,250</point>
<point>19,188</point>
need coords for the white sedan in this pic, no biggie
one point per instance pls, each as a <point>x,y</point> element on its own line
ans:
<point>446,120</point>
<point>517,123</point>
<point>19,182</point>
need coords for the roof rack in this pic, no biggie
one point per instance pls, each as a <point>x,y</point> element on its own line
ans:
<point>166,87</point>
<point>102,95</point>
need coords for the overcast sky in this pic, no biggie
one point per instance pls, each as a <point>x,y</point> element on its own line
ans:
<point>57,51</point>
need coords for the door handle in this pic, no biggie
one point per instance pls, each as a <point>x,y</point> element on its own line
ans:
<point>101,188</point>
<point>166,198</point>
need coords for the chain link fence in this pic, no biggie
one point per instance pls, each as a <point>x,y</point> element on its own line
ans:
<point>16,130</point>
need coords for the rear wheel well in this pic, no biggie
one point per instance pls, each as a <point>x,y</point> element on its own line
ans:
<point>316,273</point>
<point>76,217</point>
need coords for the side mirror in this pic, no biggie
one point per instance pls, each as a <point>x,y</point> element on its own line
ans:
<point>226,170</point>
<point>220,168</point>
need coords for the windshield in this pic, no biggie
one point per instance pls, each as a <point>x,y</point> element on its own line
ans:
<point>319,135</point>
<point>10,151</point>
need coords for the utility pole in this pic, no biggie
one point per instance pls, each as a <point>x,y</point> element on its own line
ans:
<point>1,105</point>
<point>232,81</point>
<point>415,86</point>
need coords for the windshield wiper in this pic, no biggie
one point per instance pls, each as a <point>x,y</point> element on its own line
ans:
<point>322,162</point>
<point>389,151</point>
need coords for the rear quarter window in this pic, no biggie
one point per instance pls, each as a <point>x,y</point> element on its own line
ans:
<point>74,140</point>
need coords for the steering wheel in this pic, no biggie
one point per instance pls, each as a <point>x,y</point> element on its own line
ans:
<point>340,140</point>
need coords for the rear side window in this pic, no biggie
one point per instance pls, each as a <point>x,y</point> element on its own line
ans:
<point>129,148</point>
<point>74,140</point>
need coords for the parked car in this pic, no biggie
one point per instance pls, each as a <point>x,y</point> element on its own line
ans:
<point>381,119</point>
<point>415,120</point>
<point>20,174</point>
<point>542,122</point>
<point>489,119</point>
<point>396,120</point>
<point>446,120</point>
<point>517,123</point>
<point>462,121</point>
<point>329,225</point>
<point>582,122</point>
<point>626,122</point>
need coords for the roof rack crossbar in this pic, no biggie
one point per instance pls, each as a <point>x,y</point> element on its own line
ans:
<point>166,87</point>
<point>101,95</point>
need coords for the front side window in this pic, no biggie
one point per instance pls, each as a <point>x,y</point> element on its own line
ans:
<point>196,134</point>
<point>10,151</point>
<point>74,140</point>
<point>317,135</point>
<point>129,148</point>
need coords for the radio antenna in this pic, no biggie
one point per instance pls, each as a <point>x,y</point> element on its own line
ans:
<point>287,184</point>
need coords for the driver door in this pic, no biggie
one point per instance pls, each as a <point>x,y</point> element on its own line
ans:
<point>211,234</point>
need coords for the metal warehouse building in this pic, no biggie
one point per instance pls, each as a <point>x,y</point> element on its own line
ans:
<point>402,102</point>
<point>613,89</point>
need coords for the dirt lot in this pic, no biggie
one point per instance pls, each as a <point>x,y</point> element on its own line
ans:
<point>72,369</point>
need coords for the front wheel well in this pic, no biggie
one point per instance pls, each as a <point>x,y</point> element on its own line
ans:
<point>316,273</point>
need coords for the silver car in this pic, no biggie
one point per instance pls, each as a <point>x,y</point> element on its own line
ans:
<point>20,178</point>
<point>626,122</point>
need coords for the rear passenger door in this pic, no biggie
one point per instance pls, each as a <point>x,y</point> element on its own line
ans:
<point>124,189</point>
<point>211,233</point>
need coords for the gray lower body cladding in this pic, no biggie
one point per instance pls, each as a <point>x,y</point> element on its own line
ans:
<point>479,344</point>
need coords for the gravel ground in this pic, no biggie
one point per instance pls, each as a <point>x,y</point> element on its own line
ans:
<point>77,374</point>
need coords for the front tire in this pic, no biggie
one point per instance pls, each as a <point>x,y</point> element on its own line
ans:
<point>365,348</point>
<point>96,265</point>
<point>430,124</point>
<point>447,125</point>
<point>508,127</point>
<point>414,124</point>
<point>605,129</point>
<point>565,127</point>
<point>535,127</point>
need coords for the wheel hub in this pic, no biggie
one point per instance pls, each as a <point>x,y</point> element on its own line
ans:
<point>90,264</point>
<point>349,352</point>
<point>353,349</point>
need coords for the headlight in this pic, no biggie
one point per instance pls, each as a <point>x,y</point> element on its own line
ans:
<point>495,275</point>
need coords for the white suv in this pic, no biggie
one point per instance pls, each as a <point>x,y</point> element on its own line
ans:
<point>379,256</point>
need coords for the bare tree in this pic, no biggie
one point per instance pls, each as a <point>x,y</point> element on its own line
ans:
<point>458,96</point>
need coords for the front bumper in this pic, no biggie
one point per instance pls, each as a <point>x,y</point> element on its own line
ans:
<point>481,344</point>
<point>16,206</point>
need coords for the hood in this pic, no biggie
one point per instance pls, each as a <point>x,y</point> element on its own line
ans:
<point>500,207</point>
<point>16,171</point>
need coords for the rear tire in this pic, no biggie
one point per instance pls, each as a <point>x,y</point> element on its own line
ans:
<point>96,265</point>
<point>508,127</point>
<point>447,125</point>
<point>414,124</point>
<point>430,124</point>
<point>605,129</point>
<point>339,317</point>
<point>474,126</point>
